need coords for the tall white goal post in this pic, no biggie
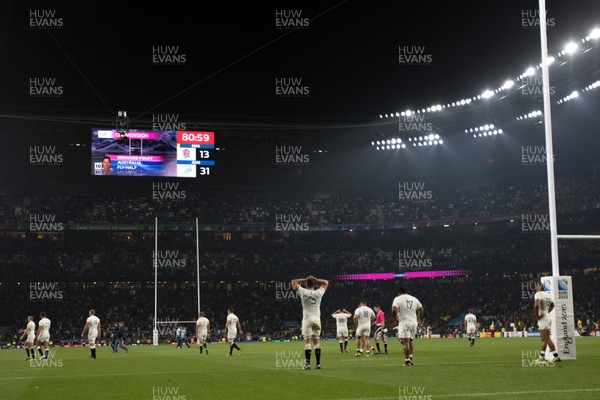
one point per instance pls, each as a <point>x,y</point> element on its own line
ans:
<point>560,287</point>
<point>155,330</point>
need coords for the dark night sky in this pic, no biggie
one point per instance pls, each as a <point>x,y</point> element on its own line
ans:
<point>347,56</point>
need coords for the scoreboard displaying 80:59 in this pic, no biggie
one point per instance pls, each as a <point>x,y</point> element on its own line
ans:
<point>180,154</point>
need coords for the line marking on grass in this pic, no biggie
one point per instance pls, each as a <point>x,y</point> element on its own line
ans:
<point>492,394</point>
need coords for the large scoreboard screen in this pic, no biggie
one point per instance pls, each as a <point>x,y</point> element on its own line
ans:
<point>180,154</point>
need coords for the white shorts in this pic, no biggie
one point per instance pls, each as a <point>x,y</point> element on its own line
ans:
<point>311,327</point>
<point>363,330</point>
<point>471,330</point>
<point>545,322</point>
<point>92,337</point>
<point>378,334</point>
<point>43,338</point>
<point>231,334</point>
<point>202,335</point>
<point>407,330</point>
<point>342,332</point>
<point>30,338</point>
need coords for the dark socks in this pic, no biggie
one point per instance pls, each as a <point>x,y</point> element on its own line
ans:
<point>307,355</point>
<point>318,356</point>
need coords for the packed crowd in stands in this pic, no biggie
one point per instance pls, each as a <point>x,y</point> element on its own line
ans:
<point>439,203</point>
<point>129,255</point>
<point>270,309</point>
<point>108,262</point>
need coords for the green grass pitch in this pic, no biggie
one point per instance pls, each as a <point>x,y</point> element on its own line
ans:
<point>444,369</point>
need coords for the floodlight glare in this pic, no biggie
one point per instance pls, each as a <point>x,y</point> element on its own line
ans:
<point>571,47</point>
<point>530,71</point>
<point>487,94</point>
<point>393,141</point>
<point>595,34</point>
<point>441,141</point>
<point>508,84</point>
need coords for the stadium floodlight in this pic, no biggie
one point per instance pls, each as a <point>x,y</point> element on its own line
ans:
<point>508,84</point>
<point>487,94</point>
<point>408,113</point>
<point>394,141</point>
<point>377,147</point>
<point>529,72</point>
<point>397,114</point>
<point>380,116</point>
<point>386,115</point>
<point>571,47</point>
<point>595,33</point>
<point>403,146</point>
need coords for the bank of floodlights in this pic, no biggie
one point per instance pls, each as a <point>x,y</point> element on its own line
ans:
<point>486,130</point>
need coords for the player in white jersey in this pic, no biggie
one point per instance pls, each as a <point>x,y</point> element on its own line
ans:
<point>232,326</point>
<point>470,325</point>
<point>92,326</point>
<point>202,329</point>
<point>363,317</point>
<point>311,297</point>
<point>543,307</point>
<point>408,312</point>
<point>341,322</point>
<point>29,334</point>
<point>43,336</point>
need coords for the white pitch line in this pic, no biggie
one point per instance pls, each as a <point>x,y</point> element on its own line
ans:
<point>492,394</point>
<point>446,363</point>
